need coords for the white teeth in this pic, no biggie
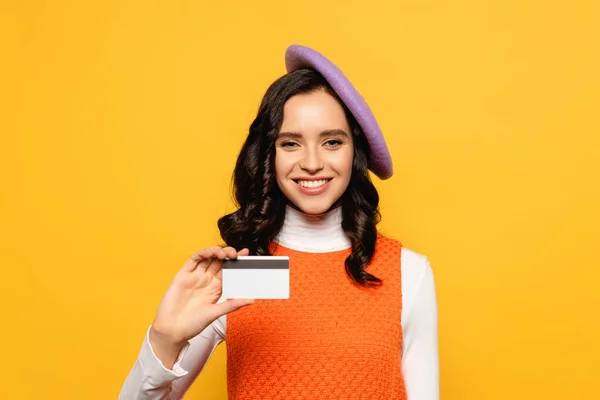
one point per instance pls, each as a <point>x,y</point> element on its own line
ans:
<point>313,184</point>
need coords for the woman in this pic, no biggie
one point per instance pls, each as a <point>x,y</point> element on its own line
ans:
<point>361,321</point>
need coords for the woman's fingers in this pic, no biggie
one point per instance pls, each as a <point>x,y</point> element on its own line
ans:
<point>203,258</point>
<point>214,259</point>
<point>229,252</point>
<point>216,266</point>
<point>193,261</point>
<point>209,255</point>
<point>198,257</point>
<point>215,251</point>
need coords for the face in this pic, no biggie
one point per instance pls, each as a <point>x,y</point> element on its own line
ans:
<point>314,152</point>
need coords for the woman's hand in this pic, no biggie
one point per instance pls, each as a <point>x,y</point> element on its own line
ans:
<point>190,303</point>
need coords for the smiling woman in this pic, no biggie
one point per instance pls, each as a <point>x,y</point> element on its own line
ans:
<point>361,320</point>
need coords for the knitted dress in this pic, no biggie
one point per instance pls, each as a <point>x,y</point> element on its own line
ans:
<point>332,339</point>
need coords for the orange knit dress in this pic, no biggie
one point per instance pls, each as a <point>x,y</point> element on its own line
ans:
<point>332,339</point>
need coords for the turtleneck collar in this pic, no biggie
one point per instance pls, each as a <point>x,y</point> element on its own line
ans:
<point>320,233</point>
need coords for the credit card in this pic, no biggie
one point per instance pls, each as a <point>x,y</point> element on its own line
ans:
<point>256,277</point>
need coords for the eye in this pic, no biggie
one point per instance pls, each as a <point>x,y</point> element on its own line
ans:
<point>333,143</point>
<point>289,145</point>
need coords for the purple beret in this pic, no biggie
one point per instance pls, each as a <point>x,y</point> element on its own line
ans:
<point>297,57</point>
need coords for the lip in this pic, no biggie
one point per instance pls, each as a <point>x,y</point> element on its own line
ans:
<point>312,191</point>
<point>312,178</point>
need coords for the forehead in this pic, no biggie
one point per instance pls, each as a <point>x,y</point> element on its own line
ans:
<point>313,112</point>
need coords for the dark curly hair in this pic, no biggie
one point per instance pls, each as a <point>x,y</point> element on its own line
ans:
<point>261,203</point>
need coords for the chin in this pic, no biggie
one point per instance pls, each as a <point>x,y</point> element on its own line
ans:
<point>313,209</point>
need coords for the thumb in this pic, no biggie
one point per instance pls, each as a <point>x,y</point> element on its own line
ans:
<point>231,305</point>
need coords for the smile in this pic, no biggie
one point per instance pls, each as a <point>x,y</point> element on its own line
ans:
<point>312,184</point>
<point>313,187</point>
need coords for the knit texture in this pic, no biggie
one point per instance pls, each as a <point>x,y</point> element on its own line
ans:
<point>332,339</point>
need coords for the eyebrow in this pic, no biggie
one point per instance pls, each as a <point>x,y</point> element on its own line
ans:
<point>328,132</point>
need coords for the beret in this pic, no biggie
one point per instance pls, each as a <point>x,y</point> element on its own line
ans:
<point>298,57</point>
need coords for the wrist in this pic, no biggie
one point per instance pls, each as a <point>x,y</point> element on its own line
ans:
<point>165,347</point>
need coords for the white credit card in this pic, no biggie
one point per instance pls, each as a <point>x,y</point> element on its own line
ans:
<point>256,277</point>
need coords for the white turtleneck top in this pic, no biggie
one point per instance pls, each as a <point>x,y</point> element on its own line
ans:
<point>150,380</point>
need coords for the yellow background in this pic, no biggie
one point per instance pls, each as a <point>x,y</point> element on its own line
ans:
<point>121,120</point>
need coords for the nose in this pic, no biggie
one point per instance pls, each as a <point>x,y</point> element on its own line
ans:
<point>311,162</point>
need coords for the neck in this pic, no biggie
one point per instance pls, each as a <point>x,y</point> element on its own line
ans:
<point>313,233</point>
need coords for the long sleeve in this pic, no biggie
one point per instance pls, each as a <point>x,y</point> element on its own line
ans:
<point>420,362</point>
<point>150,380</point>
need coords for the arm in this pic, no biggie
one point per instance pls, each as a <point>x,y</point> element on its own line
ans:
<point>420,363</point>
<point>150,380</point>
<point>186,330</point>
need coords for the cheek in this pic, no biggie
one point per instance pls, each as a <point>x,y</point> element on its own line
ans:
<point>283,165</point>
<point>343,163</point>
